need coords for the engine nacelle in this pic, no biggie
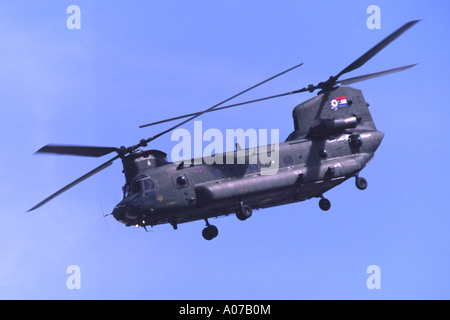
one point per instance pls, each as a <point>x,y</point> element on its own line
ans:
<point>325,127</point>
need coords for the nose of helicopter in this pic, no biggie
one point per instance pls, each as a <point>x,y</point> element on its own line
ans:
<point>120,212</point>
<point>128,210</point>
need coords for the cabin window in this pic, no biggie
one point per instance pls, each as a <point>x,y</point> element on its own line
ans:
<point>181,181</point>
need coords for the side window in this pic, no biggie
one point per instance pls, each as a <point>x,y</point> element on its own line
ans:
<point>180,181</point>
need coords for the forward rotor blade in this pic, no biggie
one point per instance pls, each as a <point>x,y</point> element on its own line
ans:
<point>82,178</point>
<point>84,151</point>
<point>380,46</point>
<point>197,114</point>
<point>374,75</point>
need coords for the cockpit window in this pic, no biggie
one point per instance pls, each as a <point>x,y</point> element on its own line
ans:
<point>135,187</point>
<point>137,201</point>
<point>150,196</point>
<point>141,183</point>
<point>149,185</point>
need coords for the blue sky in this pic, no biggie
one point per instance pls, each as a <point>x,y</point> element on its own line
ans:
<point>131,64</point>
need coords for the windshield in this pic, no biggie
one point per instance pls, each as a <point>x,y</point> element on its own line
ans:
<point>140,184</point>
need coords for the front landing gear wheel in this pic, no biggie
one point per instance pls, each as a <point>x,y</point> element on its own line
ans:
<point>324,204</point>
<point>361,183</point>
<point>210,232</point>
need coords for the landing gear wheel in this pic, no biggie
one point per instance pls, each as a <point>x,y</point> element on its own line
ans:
<point>210,232</point>
<point>244,213</point>
<point>361,183</point>
<point>324,204</point>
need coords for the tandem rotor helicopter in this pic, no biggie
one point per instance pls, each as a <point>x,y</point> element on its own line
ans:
<point>334,138</point>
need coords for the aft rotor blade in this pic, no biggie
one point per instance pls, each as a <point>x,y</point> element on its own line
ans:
<point>222,108</point>
<point>344,82</point>
<point>85,151</point>
<point>82,178</point>
<point>374,75</point>
<point>380,46</point>
<point>197,114</point>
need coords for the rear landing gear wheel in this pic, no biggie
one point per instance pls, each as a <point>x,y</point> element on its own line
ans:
<point>324,204</point>
<point>244,213</point>
<point>210,232</point>
<point>361,183</point>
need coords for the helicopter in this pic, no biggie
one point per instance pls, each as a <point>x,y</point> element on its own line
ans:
<point>334,138</point>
